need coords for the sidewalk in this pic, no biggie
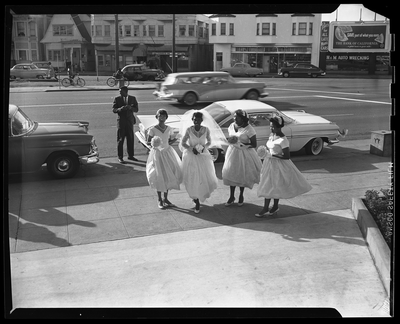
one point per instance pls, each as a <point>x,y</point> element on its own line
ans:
<point>99,240</point>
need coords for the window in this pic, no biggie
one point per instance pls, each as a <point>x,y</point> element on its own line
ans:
<point>32,28</point>
<point>136,30</point>
<point>98,30</point>
<point>265,29</point>
<point>63,30</point>
<point>100,60</point>
<point>152,30</point>
<point>258,29</point>
<point>223,28</point>
<point>191,30</point>
<point>55,55</point>
<point>294,29</point>
<point>34,55</point>
<point>22,55</point>
<point>160,30</point>
<point>274,29</point>
<point>310,28</point>
<point>120,31</point>
<point>302,28</point>
<point>107,31</point>
<point>144,30</point>
<point>213,29</point>
<point>21,30</point>
<point>182,30</point>
<point>231,29</point>
<point>128,30</point>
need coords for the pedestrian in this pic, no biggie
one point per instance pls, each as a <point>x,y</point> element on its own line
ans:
<point>125,106</point>
<point>242,165</point>
<point>163,168</point>
<point>198,169</point>
<point>280,179</point>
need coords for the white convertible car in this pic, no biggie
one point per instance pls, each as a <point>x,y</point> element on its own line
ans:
<point>303,130</point>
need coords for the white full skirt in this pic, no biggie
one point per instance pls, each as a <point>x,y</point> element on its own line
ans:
<point>163,169</point>
<point>280,179</point>
<point>199,175</point>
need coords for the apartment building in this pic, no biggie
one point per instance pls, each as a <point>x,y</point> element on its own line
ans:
<point>267,41</point>
<point>148,39</point>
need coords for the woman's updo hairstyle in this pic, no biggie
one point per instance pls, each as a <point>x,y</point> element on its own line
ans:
<point>243,114</point>
<point>277,121</point>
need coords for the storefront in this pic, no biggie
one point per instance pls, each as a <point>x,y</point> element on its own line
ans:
<point>357,62</point>
<point>161,56</point>
<point>270,58</point>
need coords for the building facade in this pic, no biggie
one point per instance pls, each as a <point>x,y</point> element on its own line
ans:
<point>148,39</point>
<point>267,41</point>
<point>68,43</point>
<point>27,32</point>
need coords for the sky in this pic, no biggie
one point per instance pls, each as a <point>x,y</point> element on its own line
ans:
<point>351,12</point>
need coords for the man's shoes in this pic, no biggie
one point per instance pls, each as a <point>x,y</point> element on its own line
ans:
<point>121,160</point>
<point>132,158</point>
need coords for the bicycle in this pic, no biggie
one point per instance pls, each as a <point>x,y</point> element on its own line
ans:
<point>74,80</point>
<point>112,81</point>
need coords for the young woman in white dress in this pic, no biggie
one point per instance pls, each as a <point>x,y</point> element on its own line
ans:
<point>163,168</point>
<point>198,169</point>
<point>280,179</point>
<point>242,165</point>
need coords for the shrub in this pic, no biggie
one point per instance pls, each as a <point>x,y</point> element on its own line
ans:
<point>380,205</point>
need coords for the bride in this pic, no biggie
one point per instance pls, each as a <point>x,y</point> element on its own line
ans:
<point>198,169</point>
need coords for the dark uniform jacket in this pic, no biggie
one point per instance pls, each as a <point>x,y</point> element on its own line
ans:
<point>125,115</point>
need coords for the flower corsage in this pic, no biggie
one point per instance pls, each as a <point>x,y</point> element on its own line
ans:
<point>263,152</point>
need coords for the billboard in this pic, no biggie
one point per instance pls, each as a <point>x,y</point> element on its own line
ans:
<point>359,37</point>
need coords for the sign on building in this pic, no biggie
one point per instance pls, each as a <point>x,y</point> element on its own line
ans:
<point>359,37</point>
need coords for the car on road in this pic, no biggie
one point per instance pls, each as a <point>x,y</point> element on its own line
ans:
<point>301,69</point>
<point>191,87</point>
<point>61,145</point>
<point>136,72</point>
<point>28,71</point>
<point>46,65</point>
<point>303,130</point>
<point>243,70</point>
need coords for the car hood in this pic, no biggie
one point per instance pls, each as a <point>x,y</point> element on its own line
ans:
<point>62,127</point>
<point>305,118</point>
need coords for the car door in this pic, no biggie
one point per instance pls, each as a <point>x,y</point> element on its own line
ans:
<point>15,150</point>
<point>225,89</point>
<point>300,69</point>
<point>260,123</point>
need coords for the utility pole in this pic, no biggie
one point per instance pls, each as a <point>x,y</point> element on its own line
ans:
<point>173,44</point>
<point>116,43</point>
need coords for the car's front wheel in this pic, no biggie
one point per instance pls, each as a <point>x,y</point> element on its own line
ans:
<point>286,74</point>
<point>190,99</point>
<point>63,165</point>
<point>315,146</point>
<point>252,95</point>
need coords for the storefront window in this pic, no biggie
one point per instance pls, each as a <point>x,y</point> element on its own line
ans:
<point>302,28</point>
<point>223,28</point>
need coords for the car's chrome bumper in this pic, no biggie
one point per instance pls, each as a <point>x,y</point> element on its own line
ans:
<point>92,157</point>
<point>264,94</point>
<point>163,95</point>
<point>341,133</point>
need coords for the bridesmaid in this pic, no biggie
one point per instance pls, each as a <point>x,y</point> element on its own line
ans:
<point>163,168</point>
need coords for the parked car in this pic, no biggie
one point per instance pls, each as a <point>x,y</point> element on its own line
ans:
<point>302,129</point>
<point>301,69</point>
<point>62,145</point>
<point>28,71</point>
<point>46,65</point>
<point>243,69</point>
<point>136,72</point>
<point>190,87</point>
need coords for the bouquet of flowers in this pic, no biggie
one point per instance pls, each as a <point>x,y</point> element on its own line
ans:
<point>263,152</point>
<point>199,148</point>
<point>233,139</point>
<point>156,142</point>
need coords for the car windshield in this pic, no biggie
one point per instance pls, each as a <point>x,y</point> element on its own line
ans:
<point>287,119</point>
<point>169,80</point>
<point>218,112</point>
<point>34,67</point>
<point>20,123</point>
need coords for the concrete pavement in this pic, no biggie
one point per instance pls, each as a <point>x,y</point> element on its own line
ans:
<point>99,240</point>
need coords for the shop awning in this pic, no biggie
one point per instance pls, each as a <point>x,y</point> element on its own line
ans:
<point>167,50</point>
<point>111,48</point>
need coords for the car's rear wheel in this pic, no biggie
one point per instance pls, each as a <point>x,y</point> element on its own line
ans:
<point>190,98</point>
<point>252,95</point>
<point>286,74</point>
<point>151,78</point>
<point>63,165</point>
<point>315,146</point>
<point>314,75</point>
<point>39,77</point>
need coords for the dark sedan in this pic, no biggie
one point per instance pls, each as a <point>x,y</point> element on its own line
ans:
<point>301,69</point>
<point>136,72</point>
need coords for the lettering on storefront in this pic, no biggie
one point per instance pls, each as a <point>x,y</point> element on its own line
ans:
<point>347,57</point>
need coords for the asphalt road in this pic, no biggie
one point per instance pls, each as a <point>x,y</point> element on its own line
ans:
<point>360,105</point>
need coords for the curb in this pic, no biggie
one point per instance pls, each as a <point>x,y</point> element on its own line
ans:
<point>377,245</point>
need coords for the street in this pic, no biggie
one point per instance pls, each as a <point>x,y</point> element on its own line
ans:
<point>359,105</point>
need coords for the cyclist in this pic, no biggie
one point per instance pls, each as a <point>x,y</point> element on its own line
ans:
<point>70,76</point>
